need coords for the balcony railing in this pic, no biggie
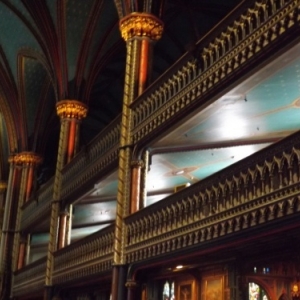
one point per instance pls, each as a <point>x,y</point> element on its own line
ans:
<point>38,206</point>
<point>100,156</point>
<point>197,79</point>
<point>87,257</point>
<point>30,279</point>
<point>257,190</point>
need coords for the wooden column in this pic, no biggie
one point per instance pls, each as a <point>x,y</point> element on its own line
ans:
<point>140,31</point>
<point>131,290</point>
<point>6,257</point>
<point>69,220</point>
<point>3,187</point>
<point>28,162</point>
<point>144,175</point>
<point>71,112</point>
<point>22,253</point>
<point>62,229</point>
<point>135,185</point>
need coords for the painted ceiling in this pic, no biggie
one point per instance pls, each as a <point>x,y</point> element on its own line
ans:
<point>52,50</point>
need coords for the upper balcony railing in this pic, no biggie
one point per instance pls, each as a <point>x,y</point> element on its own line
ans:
<point>252,192</point>
<point>222,54</point>
<point>100,156</point>
<point>38,206</point>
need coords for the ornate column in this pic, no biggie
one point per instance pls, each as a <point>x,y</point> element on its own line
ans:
<point>8,226</point>
<point>144,174</point>
<point>28,161</point>
<point>140,31</point>
<point>22,253</point>
<point>27,251</point>
<point>131,289</point>
<point>3,187</point>
<point>68,230</point>
<point>71,112</point>
<point>135,185</point>
<point>62,229</point>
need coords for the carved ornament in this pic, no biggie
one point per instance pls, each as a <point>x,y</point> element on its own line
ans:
<point>25,158</point>
<point>71,109</point>
<point>141,25</point>
<point>3,186</point>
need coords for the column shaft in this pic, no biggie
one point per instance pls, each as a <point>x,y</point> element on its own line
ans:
<point>135,186</point>
<point>137,30</point>
<point>70,113</point>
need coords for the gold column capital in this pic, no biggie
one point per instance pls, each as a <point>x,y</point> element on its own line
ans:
<point>141,25</point>
<point>72,109</point>
<point>3,186</point>
<point>25,158</point>
<point>137,164</point>
<point>131,284</point>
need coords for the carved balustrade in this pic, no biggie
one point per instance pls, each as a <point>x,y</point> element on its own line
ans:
<point>197,79</point>
<point>30,278</point>
<point>87,257</point>
<point>98,157</point>
<point>38,206</point>
<point>257,190</point>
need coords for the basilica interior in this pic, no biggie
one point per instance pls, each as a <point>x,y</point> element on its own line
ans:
<point>149,150</point>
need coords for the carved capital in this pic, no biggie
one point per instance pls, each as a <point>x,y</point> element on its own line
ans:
<point>141,25</point>
<point>25,158</point>
<point>3,186</point>
<point>137,164</point>
<point>131,284</point>
<point>71,109</point>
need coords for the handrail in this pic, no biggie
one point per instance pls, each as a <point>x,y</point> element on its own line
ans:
<point>38,205</point>
<point>99,156</point>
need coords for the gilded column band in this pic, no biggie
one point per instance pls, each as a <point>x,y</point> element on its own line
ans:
<point>7,227</point>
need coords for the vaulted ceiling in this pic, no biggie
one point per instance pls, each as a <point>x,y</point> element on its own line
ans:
<point>52,50</point>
